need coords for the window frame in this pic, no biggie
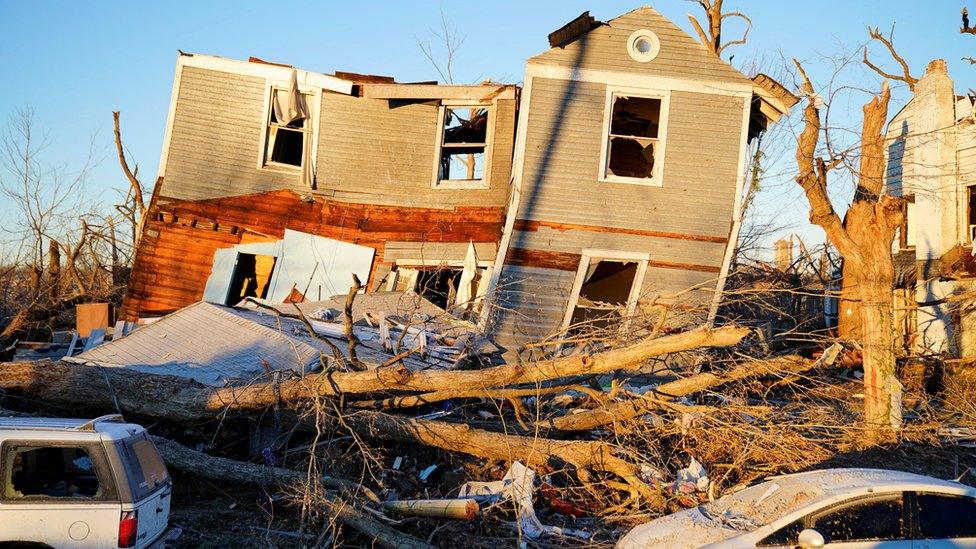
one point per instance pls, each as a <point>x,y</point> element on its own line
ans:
<point>588,256</point>
<point>485,181</point>
<point>418,265</point>
<point>662,132</point>
<point>313,100</point>
<point>100,466</point>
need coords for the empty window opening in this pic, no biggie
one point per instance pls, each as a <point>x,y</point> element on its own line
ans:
<point>971,212</point>
<point>462,147</point>
<point>287,138</point>
<point>52,472</point>
<point>251,278</point>
<point>633,139</point>
<point>605,294</point>
<point>439,286</point>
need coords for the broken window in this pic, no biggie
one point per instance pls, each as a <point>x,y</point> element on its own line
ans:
<point>633,142</point>
<point>251,278</point>
<point>604,296</point>
<point>439,286</point>
<point>50,472</point>
<point>461,156</point>
<point>287,129</point>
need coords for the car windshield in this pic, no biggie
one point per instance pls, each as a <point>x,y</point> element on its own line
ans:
<point>146,469</point>
<point>759,505</point>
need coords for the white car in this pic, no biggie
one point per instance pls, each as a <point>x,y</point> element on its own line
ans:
<point>842,508</point>
<point>80,483</point>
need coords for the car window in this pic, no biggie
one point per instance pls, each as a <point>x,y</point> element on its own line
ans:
<point>784,536</point>
<point>872,519</point>
<point>942,516</point>
<point>50,472</point>
<point>145,468</point>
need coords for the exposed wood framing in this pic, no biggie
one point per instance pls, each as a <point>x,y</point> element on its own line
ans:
<point>477,92</point>
<point>175,255</point>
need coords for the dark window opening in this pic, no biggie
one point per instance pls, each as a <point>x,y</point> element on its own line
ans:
<point>945,517</point>
<point>286,142</point>
<point>867,520</point>
<point>251,277</point>
<point>971,217</point>
<point>605,293</point>
<point>633,138</point>
<point>462,155</point>
<point>439,286</point>
<point>52,472</point>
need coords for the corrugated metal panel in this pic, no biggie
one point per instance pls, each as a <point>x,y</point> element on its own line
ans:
<point>208,343</point>
<point>605,48</point>
<point>531,304</point>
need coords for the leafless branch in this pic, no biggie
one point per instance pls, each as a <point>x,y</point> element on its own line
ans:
<point>888,42</point>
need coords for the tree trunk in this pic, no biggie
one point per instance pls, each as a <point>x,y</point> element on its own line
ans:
<point>849,316</point>
<point>181,458</point>
<point>54,269</point>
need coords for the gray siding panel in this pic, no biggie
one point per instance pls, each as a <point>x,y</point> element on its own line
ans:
<point>369,150</point>
<point>562,163</point>
<point>605,48</point>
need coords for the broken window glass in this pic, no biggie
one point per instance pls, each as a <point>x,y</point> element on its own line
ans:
<point>604,296</point>
<point>52,472</point>
<point>633,139</point>
<point>462,154</point>
<point>286,140</point>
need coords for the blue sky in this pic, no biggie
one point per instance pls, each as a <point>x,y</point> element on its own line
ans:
<point>76,62</point>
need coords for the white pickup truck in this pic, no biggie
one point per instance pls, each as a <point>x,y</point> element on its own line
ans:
<point>80,483</point>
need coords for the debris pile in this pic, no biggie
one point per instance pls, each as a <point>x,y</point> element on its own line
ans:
<point>386,415</point>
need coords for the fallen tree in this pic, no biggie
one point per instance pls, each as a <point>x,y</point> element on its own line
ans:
<point>184,459</point>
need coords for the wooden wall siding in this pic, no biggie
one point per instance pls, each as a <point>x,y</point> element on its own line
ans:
<point>176,252</point>
<point>438,251</point>
<point>605,48</point>
<point>661,249</point>
<point>562,163</point>
<point>369,150</point>
<point>391,146</point>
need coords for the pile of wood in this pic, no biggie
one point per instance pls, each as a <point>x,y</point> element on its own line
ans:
<point>380,403</point>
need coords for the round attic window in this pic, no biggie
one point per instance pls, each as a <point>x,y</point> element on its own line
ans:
<point>643,45</point>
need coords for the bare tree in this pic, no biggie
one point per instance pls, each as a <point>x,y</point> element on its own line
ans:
<point>864,239</point>
<point>134,185</point>
<point>450,40</point>
<point>714,18</point>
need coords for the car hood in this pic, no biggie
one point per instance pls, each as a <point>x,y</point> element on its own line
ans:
<point>682,530</point>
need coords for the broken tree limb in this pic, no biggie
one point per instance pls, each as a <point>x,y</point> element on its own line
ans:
<point>533,451</point>
<point>348,320</point>
<point>181,458</point>
<point>634,407</point>
<point>182,399</point>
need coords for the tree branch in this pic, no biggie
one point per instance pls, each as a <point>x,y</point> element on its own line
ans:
<point>812,175</point>
<point>906,77</point>
<point>136,187</point>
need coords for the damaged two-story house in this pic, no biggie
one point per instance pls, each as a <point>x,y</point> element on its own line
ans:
<point>615,173</point>
<point>932,163</point>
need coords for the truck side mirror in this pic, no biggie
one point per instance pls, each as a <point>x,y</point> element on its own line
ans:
<point>810,539</point>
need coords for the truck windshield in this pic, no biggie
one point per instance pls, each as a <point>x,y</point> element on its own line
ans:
<point>146,469</point>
